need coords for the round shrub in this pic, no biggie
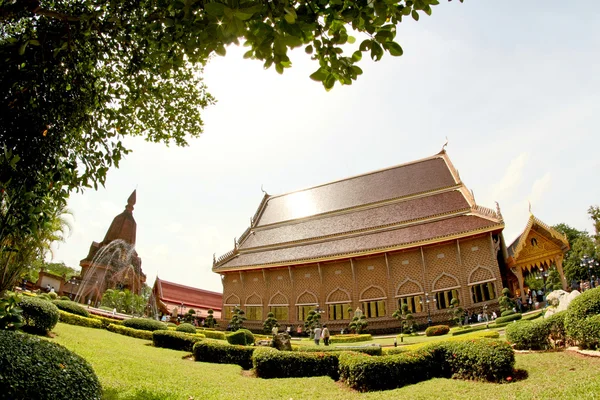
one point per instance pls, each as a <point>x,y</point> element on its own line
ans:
<point>437,330</point>
<point>33,368</point>
<point>39,316</point>
<point>52,295</point>
<point>528,335</point>
<point>507,313</point>
<point>249,336</point>
<point>171,325</point>
<point>581,321</point>
<point>509,318</point>
<point>237,337</point>
<point>65,298</point>
<point>72,307</point>
<point>44,296</point>
<point>144,324</point>
<point>187,328</point>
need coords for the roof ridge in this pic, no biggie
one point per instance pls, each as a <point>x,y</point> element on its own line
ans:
<point>437,155</point>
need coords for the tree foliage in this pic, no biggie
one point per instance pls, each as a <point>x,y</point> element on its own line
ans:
<point>270,323</point>
<point>406,319</point>
<point>79,76</point>
<point>582,244</point>
<point>238,316</point>
<point>210,321</point>
<point>124,301</point>
<point>313,321</point>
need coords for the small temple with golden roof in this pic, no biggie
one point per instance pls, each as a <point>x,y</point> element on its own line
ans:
<point>410,234</point>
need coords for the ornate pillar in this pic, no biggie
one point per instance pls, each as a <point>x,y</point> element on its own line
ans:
<point>558,261</point>
<point>519,274</point>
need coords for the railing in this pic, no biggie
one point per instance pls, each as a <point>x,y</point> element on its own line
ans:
<point>486,211</point>
<point>225,256</point>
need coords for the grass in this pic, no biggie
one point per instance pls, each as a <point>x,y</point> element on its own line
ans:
<point>131,369</point>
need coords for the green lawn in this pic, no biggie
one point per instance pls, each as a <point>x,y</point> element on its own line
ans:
<point>131,369</point>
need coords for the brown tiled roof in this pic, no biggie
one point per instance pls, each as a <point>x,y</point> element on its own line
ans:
<point>191,297</point>
<point>412,209</point>
<point>404,180</point>
<point>339,247</point>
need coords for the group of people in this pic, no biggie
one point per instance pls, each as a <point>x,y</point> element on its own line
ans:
<point>322,333</point>
<point>474,317</point>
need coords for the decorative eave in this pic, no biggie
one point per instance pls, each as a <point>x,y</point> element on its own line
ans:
<point>373,251</point>
<point>522,239</point>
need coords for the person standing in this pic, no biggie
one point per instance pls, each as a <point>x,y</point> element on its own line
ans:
<point>325,335</point>
<point>317,335</point>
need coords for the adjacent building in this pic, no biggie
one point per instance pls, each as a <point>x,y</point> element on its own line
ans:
<point>410,234</point>
<point>169,298</point>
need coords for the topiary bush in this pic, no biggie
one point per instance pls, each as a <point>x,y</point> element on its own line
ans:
<point>272,363</point>
<point>73,319</point>
<point>175,340</point>
<point>222,353</point>
<point>144,324</point>
<point>39,316</point>
<point>52,295</point>
<point>237,337</point>
<point>507,313</point>
<point>350,338</point>
<point>185,327</point>
<point>437,330</point>
<point>33,368</point>
<point>508,318</point>
<point>249,336</point>
<point>482,359</point>
<point>72,307</point>
<point>65,298</point>
<point>581,321</point>
<point>136,333</point>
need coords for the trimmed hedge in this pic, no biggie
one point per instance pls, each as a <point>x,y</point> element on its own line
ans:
<point>237,337</point>
<point>437,330</point>
<point>187,328</point>
<point>370,350</point>
<point>71,307</point>
<point>73,319</point>
<point>213,334</point>
<point>350,338</point>
<point>106,321</point>
<point>136,333</point>
<point>471,336</point>
<point>272,363</point>
<point>507,313</point>
<point>509,318</point>
<point>221,353</point>
<point>40,316</point>
<point>468,329</point>
<point>540,334</point>
<point>33,368</point>
<point>482,359</point>
<point>144,324</point>
<point>582,323</point>
<point>175,340</point>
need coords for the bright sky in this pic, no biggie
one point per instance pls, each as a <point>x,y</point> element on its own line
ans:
<point>513,85</point>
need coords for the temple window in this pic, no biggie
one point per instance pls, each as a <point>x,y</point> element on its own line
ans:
<point>303,311</point>
<point>281,313</point>
<point>444,298</point>
<point>228,312</point>
<point>483,292</point>
<point>339,311</point>
<point>415,303</point>
<point>254,313</point>
<point>374,309</point>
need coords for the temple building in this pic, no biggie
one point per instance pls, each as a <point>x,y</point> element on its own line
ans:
<point>409,234</point>
<point>538,248</point>
<point>170,298</point>
<point>113,263</point>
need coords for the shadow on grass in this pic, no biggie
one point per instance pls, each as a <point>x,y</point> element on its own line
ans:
<point>140,394</point>
<point>519,375</point>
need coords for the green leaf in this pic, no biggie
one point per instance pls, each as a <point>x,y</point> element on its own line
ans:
<point>356,56</point>
<point>249,54</point>
<point>376,51</point>
<point>329,82</point>
<point>394,48</point>
<point>290,18</point>
<point>415,15</point>
<point>215,9</point>
<point>351,39</point>
<point>308,49</point>
<point>319,75</point>
<point>365,45</point>
<point>220,50</point>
